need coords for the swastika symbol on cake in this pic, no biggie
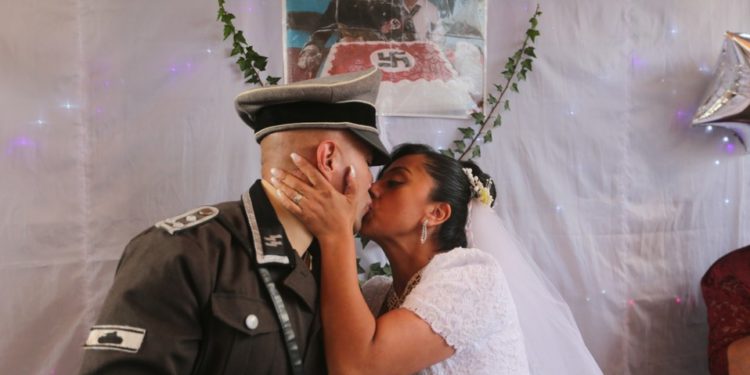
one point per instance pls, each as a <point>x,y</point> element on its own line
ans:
<point>392,60</point>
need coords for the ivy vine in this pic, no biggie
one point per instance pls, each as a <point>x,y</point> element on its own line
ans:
<point>250,62</point>
<point>516,69</point>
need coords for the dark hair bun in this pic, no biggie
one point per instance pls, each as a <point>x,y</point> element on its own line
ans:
<point>483,177</point>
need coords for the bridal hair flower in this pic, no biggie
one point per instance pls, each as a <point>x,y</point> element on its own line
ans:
<point>480,192</point>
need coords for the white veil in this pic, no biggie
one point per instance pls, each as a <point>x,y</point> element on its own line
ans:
<point>553,342</point>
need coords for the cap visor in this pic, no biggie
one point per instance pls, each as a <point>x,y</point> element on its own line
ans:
<point>380,154</point>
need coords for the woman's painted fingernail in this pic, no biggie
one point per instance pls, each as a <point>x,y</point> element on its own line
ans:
<point>274,181</point>
<point>352,171</point>
<point>278,193</point>
<point>275,172</point>
<point>294,157</point>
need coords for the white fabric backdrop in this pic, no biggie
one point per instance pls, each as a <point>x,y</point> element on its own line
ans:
<point>117,114</point>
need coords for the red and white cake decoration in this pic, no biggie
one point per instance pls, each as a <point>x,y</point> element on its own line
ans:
<point>417,77</point>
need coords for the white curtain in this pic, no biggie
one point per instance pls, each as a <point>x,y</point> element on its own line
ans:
<point>116,114</point>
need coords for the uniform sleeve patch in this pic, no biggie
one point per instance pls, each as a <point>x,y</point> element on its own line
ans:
<point>120,338</point>
<point>188,219</point>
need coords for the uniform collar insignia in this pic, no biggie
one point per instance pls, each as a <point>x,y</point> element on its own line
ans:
<point>269,239</point>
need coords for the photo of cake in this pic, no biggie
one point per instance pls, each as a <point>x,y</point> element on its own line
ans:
<point>418,79</point>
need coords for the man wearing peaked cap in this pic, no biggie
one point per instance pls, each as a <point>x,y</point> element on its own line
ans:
<point>345,101</point>
<point>233,288</point>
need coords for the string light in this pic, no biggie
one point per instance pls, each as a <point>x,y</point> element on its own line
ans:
<point>725,139</point>
<point>709,129</point>
<point>726,200</point>
<point>717,162</point>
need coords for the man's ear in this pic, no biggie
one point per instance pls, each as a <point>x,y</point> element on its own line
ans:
<point>325,155</point>
<point>438,213</point>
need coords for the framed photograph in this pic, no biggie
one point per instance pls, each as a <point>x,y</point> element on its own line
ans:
<point>431,52</point>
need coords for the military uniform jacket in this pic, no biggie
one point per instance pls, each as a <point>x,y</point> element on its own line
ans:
<point>191,302</point>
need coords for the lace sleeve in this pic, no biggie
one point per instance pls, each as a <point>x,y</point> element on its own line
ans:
<point>463,296</point>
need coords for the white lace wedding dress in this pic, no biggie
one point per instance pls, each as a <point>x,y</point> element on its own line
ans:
<point>464,297</point>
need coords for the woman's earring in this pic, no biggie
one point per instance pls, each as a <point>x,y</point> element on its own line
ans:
<point>423,238</point>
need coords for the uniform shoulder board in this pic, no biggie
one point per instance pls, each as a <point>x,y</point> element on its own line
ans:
<point>188,219</point>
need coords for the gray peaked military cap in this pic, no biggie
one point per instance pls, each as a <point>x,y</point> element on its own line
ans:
<point>344,101</point>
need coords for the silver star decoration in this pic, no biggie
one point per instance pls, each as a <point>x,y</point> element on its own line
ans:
<point>726,103</point>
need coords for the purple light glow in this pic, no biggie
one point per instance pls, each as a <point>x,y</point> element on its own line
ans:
<point>683,115</point>
<point>677,300</point>
<point>20,143</point>
<point>631,302</point>
<point>637,62</point>
<point>729,148</point>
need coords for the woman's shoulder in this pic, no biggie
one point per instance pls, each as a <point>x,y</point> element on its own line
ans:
<point>463,258</point>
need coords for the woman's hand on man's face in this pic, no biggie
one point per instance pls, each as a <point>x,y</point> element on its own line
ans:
<point>325,212</point>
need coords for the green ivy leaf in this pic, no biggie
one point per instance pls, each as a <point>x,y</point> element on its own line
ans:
<point>239,37</point>
<point>478,117</point>
<point>491,99</point>
<point>498,121</point>
<point>499,88</point>
<point>448,153</point>
<point>533,21</point>
<point>228,30</point>
<point>514,87</point>
<point>236,50</point>
<point>526,64</point>
<point>460,145</point>
<point>467,132</point>
<point>507,105</point>
<point>529,51</point>
<point>476,152</point>
<point>272,80</point>
<point>360,270</point>
<point>488,136</point>
<point>532,34</point>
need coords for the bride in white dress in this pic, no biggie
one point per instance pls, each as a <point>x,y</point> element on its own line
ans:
<point>449,308</point>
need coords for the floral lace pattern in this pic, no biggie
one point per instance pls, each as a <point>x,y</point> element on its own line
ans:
<point>726,290</point>
<point>464,298</point>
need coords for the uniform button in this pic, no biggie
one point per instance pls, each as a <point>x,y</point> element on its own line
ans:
<point>191,218</point>
<point>178,225</point>
<point>251,321</point>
